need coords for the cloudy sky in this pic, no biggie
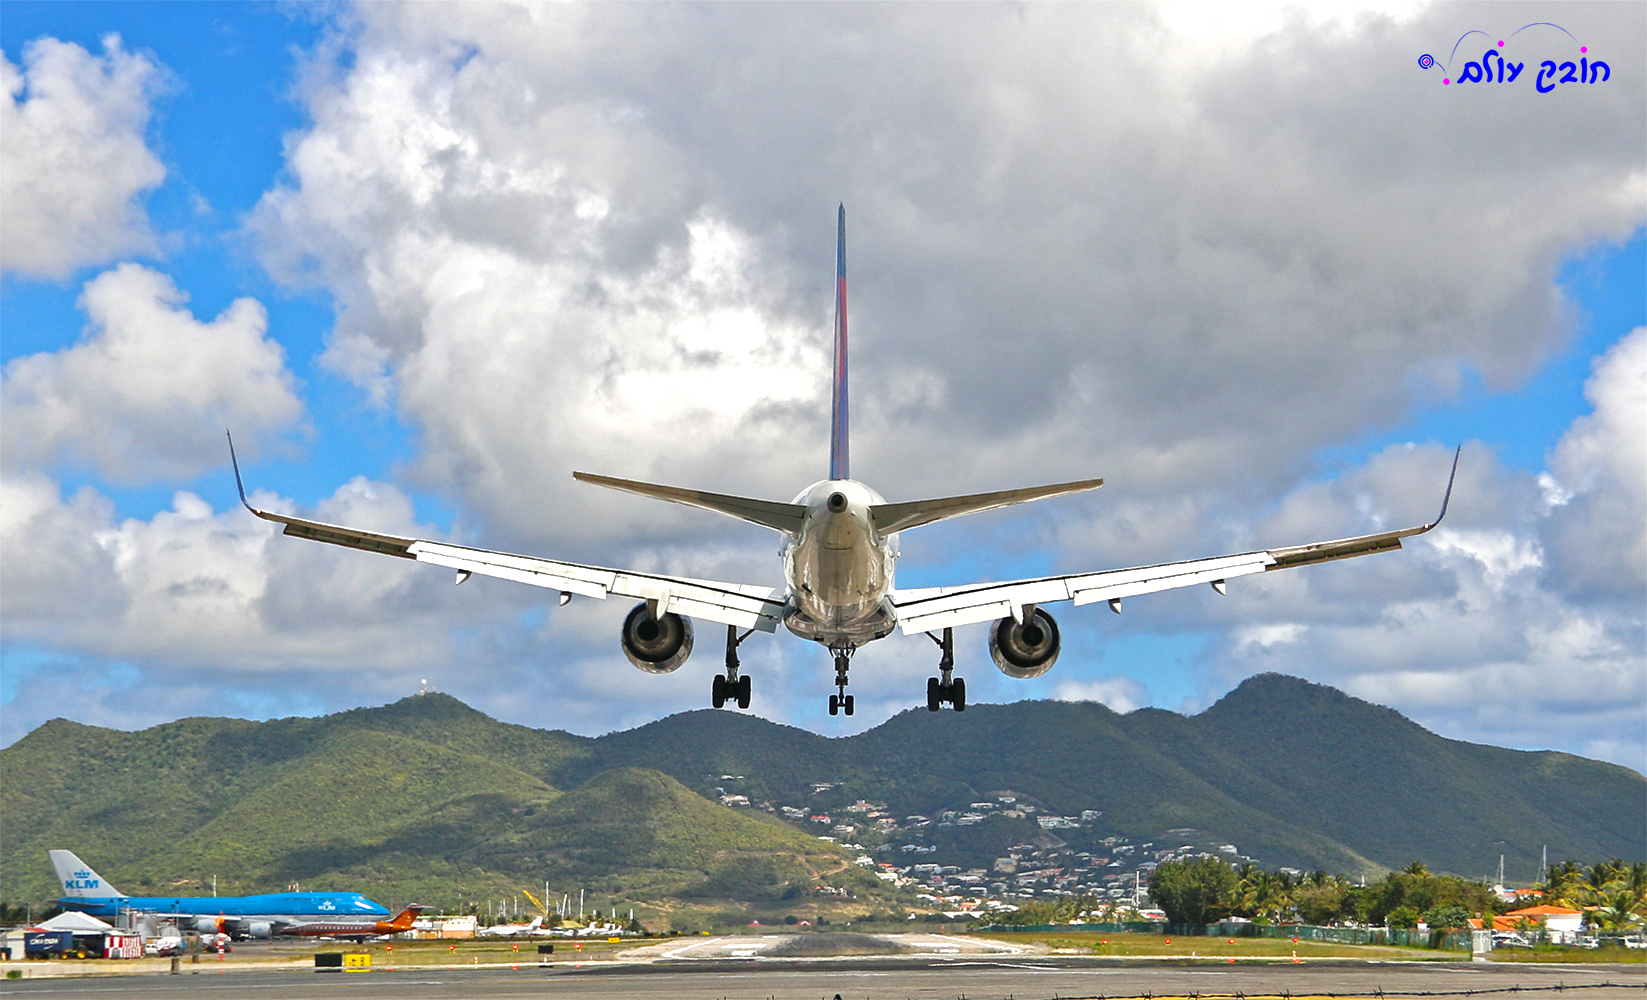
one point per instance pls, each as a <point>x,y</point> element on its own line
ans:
<point>1261,270</point>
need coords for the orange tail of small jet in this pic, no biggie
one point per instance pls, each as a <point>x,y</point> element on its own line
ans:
<point>402,920</point>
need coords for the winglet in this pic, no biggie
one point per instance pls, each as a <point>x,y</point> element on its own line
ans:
<point>1447,498</point>
<point>238,484</point>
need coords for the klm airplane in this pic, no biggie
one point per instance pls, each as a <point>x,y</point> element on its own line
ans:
<point>840,544</point>
<point>237,916</point>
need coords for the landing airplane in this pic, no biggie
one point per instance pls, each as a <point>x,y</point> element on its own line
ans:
<point>239,916</point>
<point>359,930</point>
<point>840,545</point>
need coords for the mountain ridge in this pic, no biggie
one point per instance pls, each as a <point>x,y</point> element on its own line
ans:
<point>429,792</point>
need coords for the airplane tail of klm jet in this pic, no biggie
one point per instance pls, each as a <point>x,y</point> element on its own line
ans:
<point>76,878</point>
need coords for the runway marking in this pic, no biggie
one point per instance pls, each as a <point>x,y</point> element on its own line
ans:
<point>1378,994</point>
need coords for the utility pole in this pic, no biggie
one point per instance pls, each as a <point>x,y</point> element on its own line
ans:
<point>580,906</point>
<point>1544,866</point>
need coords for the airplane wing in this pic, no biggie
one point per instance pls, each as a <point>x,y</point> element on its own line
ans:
<point>931,608</point>
<point>743,605</point>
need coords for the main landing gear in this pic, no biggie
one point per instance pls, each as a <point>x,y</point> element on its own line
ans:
<point>731,687</point>
<point>951,689</point>
<point>841,702</point>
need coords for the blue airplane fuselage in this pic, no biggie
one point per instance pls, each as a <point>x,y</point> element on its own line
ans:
<point>308,905</point>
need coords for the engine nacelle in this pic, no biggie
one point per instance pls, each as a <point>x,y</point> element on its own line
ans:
<point>206,925</point>
<point>656,645</point>
<point>259,929</point>
<point>1027,650</point>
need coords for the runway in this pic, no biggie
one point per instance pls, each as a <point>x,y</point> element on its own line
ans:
<point>963,978</point>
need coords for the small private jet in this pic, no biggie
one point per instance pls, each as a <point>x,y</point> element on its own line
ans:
<point>839,548</point>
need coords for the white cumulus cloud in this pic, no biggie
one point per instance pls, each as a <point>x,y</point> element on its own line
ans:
<point>149,390</point>
<point>73,157</point>
<point>1123,694</point>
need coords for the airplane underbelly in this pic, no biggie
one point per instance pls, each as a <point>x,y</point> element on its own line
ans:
<point>839,589</point>
<point>839,584</point>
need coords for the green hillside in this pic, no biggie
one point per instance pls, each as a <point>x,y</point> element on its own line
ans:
<point>428,799</point>
<point>424,799</point>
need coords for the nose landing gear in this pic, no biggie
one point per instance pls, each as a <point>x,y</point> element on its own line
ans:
<point>841,701</point>
<point>731,687</point>
<point>950,690</point>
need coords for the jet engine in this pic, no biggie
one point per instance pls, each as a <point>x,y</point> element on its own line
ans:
<point>207,925</point>
<point>1027,650</point>
<point>656,645</point>
<point>260,929</point>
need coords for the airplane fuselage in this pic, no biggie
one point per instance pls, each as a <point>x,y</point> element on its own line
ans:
<point>241,916</point>
<point>839,568</point>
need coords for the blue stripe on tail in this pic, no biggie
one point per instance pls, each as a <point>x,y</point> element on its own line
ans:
<point>838,464</point>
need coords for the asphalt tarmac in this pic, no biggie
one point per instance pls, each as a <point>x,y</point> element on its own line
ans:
<point>963,978</point>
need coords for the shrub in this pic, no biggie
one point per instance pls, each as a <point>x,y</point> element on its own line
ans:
<point>1447,917</point>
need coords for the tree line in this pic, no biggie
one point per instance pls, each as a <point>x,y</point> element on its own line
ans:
<point>1205,890</point>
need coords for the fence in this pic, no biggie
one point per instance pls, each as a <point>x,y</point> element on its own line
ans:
<point>1445,940</point>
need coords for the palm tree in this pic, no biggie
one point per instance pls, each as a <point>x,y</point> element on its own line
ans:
<point>1277,902</point>
<point>1562,880</point>
<point>1619,913</point>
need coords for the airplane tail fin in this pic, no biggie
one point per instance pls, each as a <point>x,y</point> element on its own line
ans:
<point>838,456</point>
<point>890,517</point>
<point>403,920</point>
<point>77,879</point>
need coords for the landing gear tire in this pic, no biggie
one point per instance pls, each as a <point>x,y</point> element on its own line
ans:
<point>841,701</point>
<point>743,692</point>
<point>717,692</point>
<point>938,694</point>
<point>949,688</point>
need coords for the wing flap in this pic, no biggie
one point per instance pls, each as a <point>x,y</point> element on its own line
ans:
<point>1154,579</point>
<point>586,581</point>
<point>333,534</point>
<point>1305,555</point>
<point>746,606</point>
<point>977,605</point>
